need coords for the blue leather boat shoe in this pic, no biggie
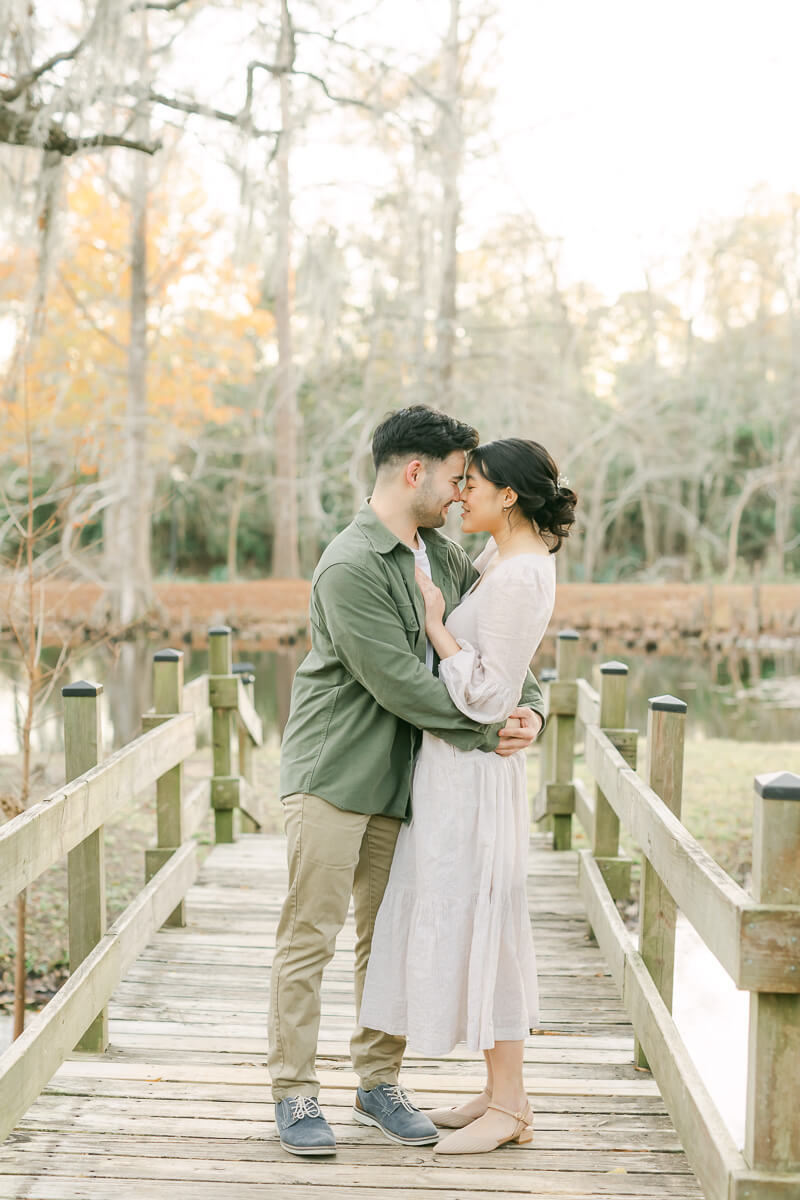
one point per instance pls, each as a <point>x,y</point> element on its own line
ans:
<point>302,1127</point>
<point>389,1107</point>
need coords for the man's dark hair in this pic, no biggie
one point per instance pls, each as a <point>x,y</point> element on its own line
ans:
<point>420,432</point>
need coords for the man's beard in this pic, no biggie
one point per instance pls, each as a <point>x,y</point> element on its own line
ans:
<point>428,509</point>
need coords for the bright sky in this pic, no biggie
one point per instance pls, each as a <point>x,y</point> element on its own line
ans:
<point>622,124</point>
<point>627,122</point>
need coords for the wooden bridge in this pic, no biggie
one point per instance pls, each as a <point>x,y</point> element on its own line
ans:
<point>145,1076</point>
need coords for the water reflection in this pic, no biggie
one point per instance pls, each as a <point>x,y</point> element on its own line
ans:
<point>731,693</point>
<point>744,693</point>
<point>128,689</point>
<point>125,671</point>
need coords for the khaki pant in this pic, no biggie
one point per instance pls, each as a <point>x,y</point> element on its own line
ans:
<point>332,855</point>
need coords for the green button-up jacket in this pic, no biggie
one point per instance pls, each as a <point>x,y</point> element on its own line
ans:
<point>363,693</point>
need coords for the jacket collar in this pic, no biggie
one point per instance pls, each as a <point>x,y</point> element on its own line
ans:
<point>383,541</point>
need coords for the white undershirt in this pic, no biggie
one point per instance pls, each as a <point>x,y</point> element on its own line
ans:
<point>421,560</point>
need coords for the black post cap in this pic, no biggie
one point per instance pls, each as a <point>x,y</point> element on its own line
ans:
<point>780,785</point>
<point>243,668</point>
<point>168,656</point>
<point>219,630</point>
<point>667,704</point>
<point>569,635</point>
<point>613,668</point>
<point>82,688</point>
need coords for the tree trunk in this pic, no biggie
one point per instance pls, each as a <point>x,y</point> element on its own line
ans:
<point>137,592</point>
<point>234,516</point>
<point>130,527</point>
<point>783,501</point>
<point>756,480</point>
<point>451,153</point>
<point>649,528</point>
<point>285,559</point>
<point>593,520</point>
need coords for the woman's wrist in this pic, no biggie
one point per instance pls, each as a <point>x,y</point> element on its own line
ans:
<point>442,640</point>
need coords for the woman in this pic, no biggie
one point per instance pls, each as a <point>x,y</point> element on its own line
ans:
<point>452,956</point>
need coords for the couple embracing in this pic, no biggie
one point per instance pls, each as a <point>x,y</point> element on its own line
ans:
<point>403,784</point>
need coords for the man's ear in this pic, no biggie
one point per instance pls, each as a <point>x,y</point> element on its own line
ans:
<point>413,472</point>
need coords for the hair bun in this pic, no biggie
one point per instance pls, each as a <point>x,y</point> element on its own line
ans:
<point>543,495</point>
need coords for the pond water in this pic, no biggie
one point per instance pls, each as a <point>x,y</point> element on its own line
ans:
<point>751,695</point>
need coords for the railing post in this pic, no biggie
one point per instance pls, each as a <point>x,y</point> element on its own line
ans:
<point>86,873</point>
<point>168,701</point>
<point>219,663</point>
<point>616,869</point>
<point>563,744</point>
<point>772,1129</point>
<point>246,672</point>
<point>666,726</point>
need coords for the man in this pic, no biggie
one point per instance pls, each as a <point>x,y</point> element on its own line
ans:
<point>360,698</point>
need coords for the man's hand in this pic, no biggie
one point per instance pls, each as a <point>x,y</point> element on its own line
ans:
<point>521,730</point>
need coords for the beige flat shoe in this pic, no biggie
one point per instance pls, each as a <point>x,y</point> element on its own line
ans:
<point>473,1141</point>
<point>451,1118</point>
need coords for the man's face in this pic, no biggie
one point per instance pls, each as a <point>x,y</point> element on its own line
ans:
<point>438,488</point>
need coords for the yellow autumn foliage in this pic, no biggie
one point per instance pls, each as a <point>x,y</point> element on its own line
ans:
<point>205,327</point>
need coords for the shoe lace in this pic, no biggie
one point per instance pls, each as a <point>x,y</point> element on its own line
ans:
<point>305,1106</point>
<point>399,1096</point>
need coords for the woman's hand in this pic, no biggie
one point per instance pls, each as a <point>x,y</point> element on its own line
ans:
<point>434,602</point>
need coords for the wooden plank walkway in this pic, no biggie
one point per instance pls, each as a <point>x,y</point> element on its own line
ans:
<point>179,1107</point>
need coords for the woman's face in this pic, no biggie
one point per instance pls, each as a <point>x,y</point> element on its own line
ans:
<point>483,504</point>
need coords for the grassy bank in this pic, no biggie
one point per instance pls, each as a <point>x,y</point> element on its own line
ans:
<point>717,809</point>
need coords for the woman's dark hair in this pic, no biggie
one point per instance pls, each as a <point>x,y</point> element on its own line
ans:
<point>421,432</point>
<point>528,469</point>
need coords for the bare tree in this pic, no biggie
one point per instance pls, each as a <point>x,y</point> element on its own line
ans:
<point>285,561</point>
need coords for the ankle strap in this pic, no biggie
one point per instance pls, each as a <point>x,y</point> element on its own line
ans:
<point>518,1116</point>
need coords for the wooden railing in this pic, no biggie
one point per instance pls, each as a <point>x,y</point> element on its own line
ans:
<point>71,820</point>
<point>755,937</point>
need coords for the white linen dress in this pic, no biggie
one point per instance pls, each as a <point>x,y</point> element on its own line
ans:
<point>452,956</point>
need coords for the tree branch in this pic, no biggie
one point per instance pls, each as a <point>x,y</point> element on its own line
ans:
<point>278,69</point>
<point>338,99</point>
<point>24,129</point>
<point>25,82</point>
<point>76,300</point>
<point>216,114</point>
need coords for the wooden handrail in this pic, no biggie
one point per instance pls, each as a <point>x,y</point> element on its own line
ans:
<point>40,836</point>
<point>228,691</point>
<point>756,938</point>
<point>30,1061</point>
<point>704,1135</point>
<point>588,711</point>
<point>69,822</point>
<point>195,698</point>
<point>744,936</point>
<point>248,717</point>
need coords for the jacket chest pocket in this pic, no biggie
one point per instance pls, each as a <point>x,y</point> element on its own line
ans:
<point>408,615</point>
